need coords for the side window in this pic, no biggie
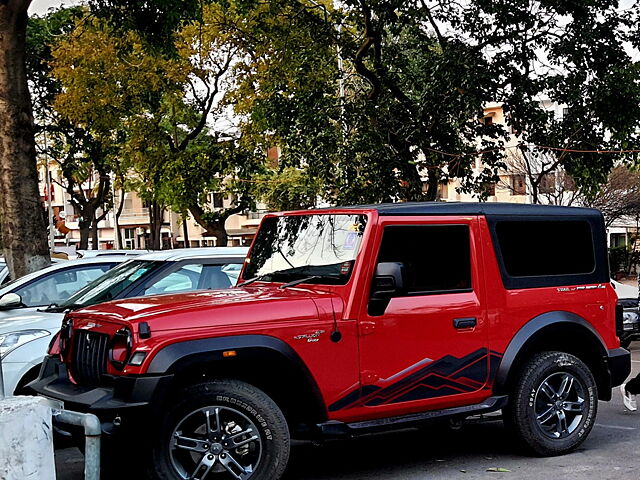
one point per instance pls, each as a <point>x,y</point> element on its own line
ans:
<point>184,279</point>
<point>196,277</point>
<point>437,258</point>
<point>60,285</point>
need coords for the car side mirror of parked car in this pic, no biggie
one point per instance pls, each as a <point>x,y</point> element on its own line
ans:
<point>388,280</point>
<point>10,300</point>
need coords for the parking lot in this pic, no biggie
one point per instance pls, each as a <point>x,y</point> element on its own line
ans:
<point>612,451</point>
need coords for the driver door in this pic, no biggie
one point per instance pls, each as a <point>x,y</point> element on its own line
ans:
<point>426,348</point>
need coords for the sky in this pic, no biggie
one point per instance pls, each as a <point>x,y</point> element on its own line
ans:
<point>40,7</point>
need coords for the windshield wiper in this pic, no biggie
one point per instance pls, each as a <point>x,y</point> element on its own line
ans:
<point>251,280</point>
<point>305,280</point>
<point>264,275</point>
<point>55,308</point>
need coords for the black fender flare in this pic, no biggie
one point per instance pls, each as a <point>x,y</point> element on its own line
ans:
<point>532,329</point>
<point>181,355</point>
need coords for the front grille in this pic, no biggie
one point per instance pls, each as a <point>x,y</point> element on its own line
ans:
<point>90,357</point>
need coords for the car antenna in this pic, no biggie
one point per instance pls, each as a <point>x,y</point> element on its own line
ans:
<point>335,336</point>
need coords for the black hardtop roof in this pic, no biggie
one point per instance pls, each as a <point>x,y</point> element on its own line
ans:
<point>477,208</point>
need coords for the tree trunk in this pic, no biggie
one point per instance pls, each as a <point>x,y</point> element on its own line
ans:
<point>117,215</point>
<point>215,227</point>
<point>85,233</point>
<point>95,241</point>
<point>24,235</point>
<point>155,225</point>
<point>185,231</point>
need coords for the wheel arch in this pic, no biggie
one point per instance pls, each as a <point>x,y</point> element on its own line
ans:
<point>556,331</point>
<point>265,362</point>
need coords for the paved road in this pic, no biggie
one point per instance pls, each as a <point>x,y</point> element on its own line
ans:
<point>612,451</point>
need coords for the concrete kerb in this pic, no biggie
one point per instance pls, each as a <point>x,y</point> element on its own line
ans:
<point>26,439</point>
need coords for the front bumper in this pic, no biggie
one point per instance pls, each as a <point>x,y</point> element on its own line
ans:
<point>125,400</point>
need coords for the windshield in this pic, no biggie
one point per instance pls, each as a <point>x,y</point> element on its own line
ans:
<point>111,284</point>
<point>298,246</point>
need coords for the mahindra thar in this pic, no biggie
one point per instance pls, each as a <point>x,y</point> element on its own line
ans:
<point>354,320</point>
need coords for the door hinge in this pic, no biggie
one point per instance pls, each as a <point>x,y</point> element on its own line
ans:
<point>367,328</point>
<point>369,377</point>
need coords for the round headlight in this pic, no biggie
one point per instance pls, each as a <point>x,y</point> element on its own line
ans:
<point>120,350</point>
<point>66,332</point>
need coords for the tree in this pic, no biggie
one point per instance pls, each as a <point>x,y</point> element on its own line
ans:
<point>158,109</point>
<point>542,175</point>
<point>84,160</point>
<point>24,235</point>
<point>619,197</point>
<point>378,96</point>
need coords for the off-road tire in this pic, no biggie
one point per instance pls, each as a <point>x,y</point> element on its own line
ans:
<point>529,394</point>
<point>228,395</point>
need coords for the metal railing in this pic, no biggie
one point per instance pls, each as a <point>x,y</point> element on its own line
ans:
<point>92,432</point>
<point>1,381</point>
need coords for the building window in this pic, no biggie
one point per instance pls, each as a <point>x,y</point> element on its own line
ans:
<point>489,188</point>
<point>443,191</point>
<point>548,183</point>
<point>618,240</point>
<point>518,185</point>
<point>216,199</point>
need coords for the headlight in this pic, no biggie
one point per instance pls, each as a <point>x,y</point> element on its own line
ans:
<point>629,320</point>
<point>12,340</point>
<point>120,350</point>
<point>66,332</point>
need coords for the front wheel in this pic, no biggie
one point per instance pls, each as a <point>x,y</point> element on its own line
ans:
<point>553,406</point>
<point>222,430</point>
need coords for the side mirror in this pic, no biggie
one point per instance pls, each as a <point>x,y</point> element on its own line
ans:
<point>388,280</point>
<point>10,300</point>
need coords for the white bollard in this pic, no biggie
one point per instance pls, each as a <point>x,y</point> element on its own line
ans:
<point>26,439</point>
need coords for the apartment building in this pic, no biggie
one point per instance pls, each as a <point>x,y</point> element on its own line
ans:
<point>134,223</point>
<point>514,184</point>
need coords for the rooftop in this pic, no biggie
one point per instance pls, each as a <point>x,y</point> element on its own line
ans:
<point>186,253</point>
<point>476,208</point>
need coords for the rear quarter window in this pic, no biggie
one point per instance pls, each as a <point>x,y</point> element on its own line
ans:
<point>550,252</point>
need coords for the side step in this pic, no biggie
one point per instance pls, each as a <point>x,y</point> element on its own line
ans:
<point>335,428</point>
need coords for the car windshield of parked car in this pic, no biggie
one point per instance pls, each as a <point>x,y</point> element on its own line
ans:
<point>57,286</point>
<point>109,286</point>
<point>296,247</point>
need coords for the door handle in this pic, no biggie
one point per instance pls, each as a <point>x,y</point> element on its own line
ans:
<point>465,322</point>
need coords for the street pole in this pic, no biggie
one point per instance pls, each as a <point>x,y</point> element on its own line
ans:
<point>116,227</point>
<point>52,240</point>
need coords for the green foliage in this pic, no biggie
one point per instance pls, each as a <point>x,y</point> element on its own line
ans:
<point>290,189</point>
<point>623,259</point>
<point>370,101</point>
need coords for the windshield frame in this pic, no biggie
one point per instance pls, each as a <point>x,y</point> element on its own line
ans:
<point>302,271</point>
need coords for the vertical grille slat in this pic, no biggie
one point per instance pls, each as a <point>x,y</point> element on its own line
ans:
<point>90,357</point>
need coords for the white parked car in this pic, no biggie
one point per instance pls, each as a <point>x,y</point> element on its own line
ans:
<point>20,320</point>
<point>101,253</point>
<point>24,337</point>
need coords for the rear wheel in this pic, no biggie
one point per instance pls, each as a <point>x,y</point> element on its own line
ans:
<point>222,430</point>
<point>554,404</point>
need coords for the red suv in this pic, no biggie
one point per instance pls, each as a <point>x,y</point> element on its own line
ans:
<point>353,320</point>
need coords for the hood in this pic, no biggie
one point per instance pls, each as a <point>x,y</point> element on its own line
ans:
<point>207,308</point>
<point>29,318</point>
